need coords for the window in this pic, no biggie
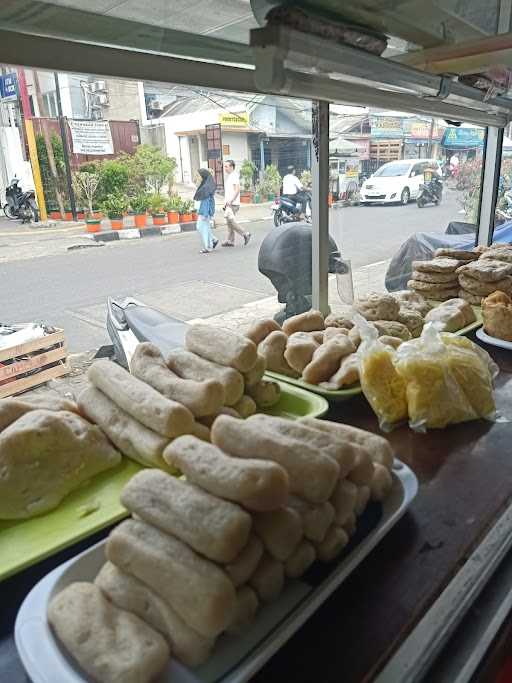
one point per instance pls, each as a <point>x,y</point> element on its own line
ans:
<point>168,271</point>
<point>380,228</point>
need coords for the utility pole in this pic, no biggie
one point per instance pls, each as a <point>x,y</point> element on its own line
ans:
<point>44,113</point>
<point>31,142</point>
<point>430,136</point>
<point>64,136</point>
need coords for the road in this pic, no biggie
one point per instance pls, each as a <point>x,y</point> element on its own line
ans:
<point>374,233</point>
<point>70,289</point>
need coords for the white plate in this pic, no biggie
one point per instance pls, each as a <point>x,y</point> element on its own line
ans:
<point>494,341</point>
<point>235,658</point>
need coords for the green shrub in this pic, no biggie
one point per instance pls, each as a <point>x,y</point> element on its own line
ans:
<point>49,185</point>
<point>306,178</point>
<point>174,203</point>
<point>271,180</point>
<point>247,171</point>
<point>156,203</point>
<point>140,203</point>
<point>85,185</point>
<point>150,168</point>
<point>113,177</point>
<point>187,206</point>
<point>114,205</point>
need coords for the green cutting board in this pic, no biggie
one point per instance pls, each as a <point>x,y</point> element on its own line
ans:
<point>90,508</point>
<point>96,505</point>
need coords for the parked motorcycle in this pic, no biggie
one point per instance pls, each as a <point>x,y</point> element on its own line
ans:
<point>430,192</point>
<point>19,204</point>
<point>288,209</point>
<point>130,322</point>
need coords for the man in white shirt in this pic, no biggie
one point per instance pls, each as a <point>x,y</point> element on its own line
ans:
<point>291,184</point>
<point>292,188</point>
<point>232,204</point>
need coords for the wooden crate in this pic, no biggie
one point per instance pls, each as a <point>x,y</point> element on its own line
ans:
<point>39,356</point>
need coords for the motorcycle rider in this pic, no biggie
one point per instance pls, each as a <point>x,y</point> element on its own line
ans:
<point>293,189</point>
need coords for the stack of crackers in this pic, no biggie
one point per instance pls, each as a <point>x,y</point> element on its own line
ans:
<point>436,279</point>
<point>492,272</point>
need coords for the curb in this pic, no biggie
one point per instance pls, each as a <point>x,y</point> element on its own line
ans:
<point>136,233</point>
<point>153,231</point>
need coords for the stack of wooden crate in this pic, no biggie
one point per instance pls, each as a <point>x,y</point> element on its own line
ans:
<point>32,363</point>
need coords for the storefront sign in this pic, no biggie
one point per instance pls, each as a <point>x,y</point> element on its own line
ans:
<point>240,120</point>
<point>420,130</point>
<point>386,127</point>
<point>8,87</point>
<point>91,137</point>
<point>362,147</point>
<point>463,138</point>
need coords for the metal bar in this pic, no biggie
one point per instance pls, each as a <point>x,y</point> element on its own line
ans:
<point>55,21</point>
<point>345,66</point>
<point>469,645</point>
<point>417,653</point>
<point>294,84</point>
<point>489,186</point>
<point>66,55</point>
<point>505,16</point>
<point>320,208</point>
<point>65,149</point>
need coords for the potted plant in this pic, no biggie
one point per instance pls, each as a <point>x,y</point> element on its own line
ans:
<point>173,207</point>
<point>140,205</point>
<point>68,215</point>
<point>86,185</point>
<point>157,209</point>
<point>271,182</point>
<point>258,194</point>
<point>186,211</point>
<point>114,205</point>
<point>53,211</point>
<point>305,179</point>
<point>247,171</point>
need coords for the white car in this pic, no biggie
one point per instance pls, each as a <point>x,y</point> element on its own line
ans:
<point>396,181</point>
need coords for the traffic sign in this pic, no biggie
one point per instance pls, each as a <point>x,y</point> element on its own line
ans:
<point>9,87</point>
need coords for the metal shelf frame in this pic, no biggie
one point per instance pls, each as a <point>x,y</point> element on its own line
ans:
<point>283,54</point>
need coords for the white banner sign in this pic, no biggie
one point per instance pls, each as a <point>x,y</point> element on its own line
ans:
<point>91,137</point>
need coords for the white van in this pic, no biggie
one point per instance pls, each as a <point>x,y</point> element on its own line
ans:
<point>396,181</point>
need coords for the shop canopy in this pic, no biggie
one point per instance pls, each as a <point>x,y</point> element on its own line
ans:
<point>341,146</point>
<point>463,138</point>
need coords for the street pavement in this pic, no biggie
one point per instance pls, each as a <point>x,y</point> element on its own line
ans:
<point>41,280</point>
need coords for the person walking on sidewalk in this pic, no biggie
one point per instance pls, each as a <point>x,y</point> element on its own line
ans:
<point>205,203</point>
<point>232,204</point>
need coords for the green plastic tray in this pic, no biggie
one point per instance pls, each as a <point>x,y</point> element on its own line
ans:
<point>96,505</point>
<point>329,394</point>
<point>345,394</point>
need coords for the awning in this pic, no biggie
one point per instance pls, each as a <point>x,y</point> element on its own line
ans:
<point>342,146</point>
<point>463,138</point>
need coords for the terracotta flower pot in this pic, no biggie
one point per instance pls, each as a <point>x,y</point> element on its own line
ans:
<point>55,215</point>
<point>194,215</point>
<point>93,225</point>
<point>246,197</point>
<point>97,214</point>
<point>140,220</point>
<point>185,218</point>
<point>173,217</point>
<point>116,223</point>
<point>68,216</point>
<point>159,218</point>
<point>80,215</point>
